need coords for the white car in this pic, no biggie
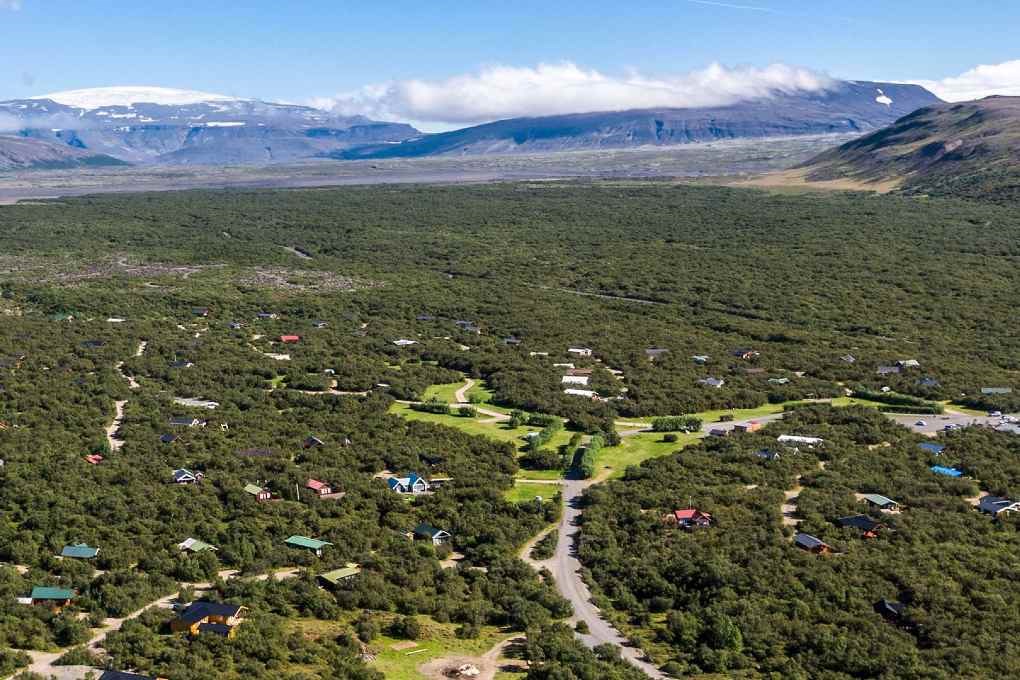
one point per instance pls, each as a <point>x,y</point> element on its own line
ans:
<point>920,423</point>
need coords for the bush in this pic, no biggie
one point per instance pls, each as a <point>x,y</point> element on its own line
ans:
<point>545,548</point>
<point>670,438</point>
<point>676,424</point>
<point>406,627</point>
<point>582,628</point>
<point>467,412</point>
<point>433,406</point>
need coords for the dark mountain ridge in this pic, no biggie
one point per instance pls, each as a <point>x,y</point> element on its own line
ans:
<point>847,107</point>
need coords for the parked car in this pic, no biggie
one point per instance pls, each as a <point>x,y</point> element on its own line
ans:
<point>921,423</point>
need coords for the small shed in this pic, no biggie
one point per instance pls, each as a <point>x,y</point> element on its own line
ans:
<point>340,577</point>
<point>313,544</point>
<point>79,551</point>
<point>812,544</point>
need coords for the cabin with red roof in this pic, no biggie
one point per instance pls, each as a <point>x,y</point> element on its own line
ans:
<point>290,339</point>
<point>690,518</point>
<point>94,459</point>
<point>319,488</point>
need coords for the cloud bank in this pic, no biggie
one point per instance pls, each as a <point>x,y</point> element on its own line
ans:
<point>980,81</point>
<point>496,92</point>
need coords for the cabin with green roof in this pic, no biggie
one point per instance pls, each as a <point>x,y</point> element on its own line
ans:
<point>341,577</point>
<point>313,544</point>
<point>52,597</point>
<point>260,493</point>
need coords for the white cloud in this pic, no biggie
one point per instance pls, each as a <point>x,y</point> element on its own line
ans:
<point>980,81</point>
<point>496,92</point>
<point>10,4</point>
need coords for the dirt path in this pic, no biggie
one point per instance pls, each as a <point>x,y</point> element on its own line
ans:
<point>461,394</point>
<point>789,506</point>
<point>141,348</point>
<point>488,664</point>
<point>118,418</point>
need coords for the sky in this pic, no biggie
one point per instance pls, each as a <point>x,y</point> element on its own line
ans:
<point>448,64</point>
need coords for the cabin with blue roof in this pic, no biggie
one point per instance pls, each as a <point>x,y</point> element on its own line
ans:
<point>933,448</point>
<point>413,484</point>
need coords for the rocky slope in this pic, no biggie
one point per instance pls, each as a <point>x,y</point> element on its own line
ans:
<point>20,153</point>
<point>968,149</point>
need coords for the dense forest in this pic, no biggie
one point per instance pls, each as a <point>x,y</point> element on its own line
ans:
<point>739,597</point>
<point>140,303</point>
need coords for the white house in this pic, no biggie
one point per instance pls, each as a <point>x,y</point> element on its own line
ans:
<point>797,439</point>
<point>579,351</point>
<point>404,342</point>
<point>412,484</point>
<point>996,505</point>
<point>588,394</point>
<point>575,380</point>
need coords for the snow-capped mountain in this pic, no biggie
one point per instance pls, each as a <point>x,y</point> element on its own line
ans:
<point>167,126</point>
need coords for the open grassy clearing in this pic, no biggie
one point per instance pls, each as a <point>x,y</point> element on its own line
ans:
<point>523,491</point>
<point>400,659</point>
<point>638,448</point>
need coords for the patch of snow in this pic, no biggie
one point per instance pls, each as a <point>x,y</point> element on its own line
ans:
<point>225,124</point>
<point>882,98</point>
<point>123,115</point>
<point>98,97</point>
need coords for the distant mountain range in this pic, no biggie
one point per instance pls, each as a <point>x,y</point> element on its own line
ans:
<point>180,127</point>
<point>161,126</point>
<point>968,149</point>
<point>847,107</point>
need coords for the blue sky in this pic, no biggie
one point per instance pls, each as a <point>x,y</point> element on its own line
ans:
<point>297,51</point>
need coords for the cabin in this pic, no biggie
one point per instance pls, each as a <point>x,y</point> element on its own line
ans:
<point>311,442</point>
<point>881,502</point>
<point>184,476</point>
<point>313,544</point>
<point>181,363</point>
<point>779,381</point>
<point>192,402</point>
<point>340,577</point>
<point>653,353</point>
<point>468,326</point>
<point>888,370</point>
<point>946,471</point>
<point>581,380</point>
<point>93,344</point>
<point>718,432</point>
<point>267,316</point>
<point>319,324</point>
<point>908,363</point>
<point>193,545</point>
<point>929,382</point>
<point>889,610</point>
<point>93,459</point>
<point>512,341</point>
<point>200,311</point>
<point>403,342</point>
<point>932,448</point>
<point>812,544</point>
<point>290,339</point>
<point>868,527</point>
<point>185,421</point>
<point>746,354</point>
<point>992,391</point>
<point>580,351</point>
<point>692,518</point>
<point>794,439</point>
<point>168,438</point>
<point>714,383</point>
<point>53,598</point>
<point>996,505</point>
<point>124,675</point>
<point>209,617</point>
<point>700,358</point>
<point>427,532</point>
<point>587,394</point>
<point>767,454</point>
<point>235,325</point>
<point>751,426</point>
<point>79,551</point>
<point>319,488</point>
<point>848,358</point>
<point>412,484</point>
<point>259,493</point>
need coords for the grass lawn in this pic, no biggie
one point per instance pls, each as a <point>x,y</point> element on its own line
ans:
<point>640,447</point>
<point>438,640</point>
<point>444,392</point>
<point>525,475</point>
<point>523,492</point>
<point>276,382</point>
<point>476,426</point>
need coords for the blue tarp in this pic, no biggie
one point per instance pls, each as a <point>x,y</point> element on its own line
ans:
<point>947,471</point>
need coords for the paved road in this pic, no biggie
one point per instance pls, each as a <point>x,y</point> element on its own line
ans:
<point>565,568</point>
